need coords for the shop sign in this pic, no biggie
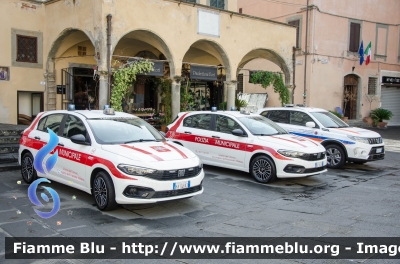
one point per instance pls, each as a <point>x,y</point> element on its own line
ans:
<point>203,73</point>
<point>158,69</point>
<point>390,80</point>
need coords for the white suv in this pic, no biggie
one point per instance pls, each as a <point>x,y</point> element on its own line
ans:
<point>341,141</point>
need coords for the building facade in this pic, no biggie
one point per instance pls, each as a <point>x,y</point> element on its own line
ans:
<point>58,52</point>
<point>328,73</point>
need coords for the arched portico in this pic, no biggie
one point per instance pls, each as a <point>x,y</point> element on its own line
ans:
<point>73,47</point>
<point>206,53</point>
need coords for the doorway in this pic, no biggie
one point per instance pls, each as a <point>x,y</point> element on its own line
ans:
<point>350,96</point>
<point>82,88</point>
<point>29,105</point>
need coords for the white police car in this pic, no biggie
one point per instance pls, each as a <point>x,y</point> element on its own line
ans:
<point>247,142</point>
<point>116,157</point>
<point>341,141</point>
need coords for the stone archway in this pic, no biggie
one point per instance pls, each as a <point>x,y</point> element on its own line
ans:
<point>265,60</point>
<point>57,58</point>
<point>208,53</point>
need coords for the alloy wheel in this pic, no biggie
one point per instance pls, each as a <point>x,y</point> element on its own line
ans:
<point>262,169</point>
<point>27,168</point>
<point>100,191</point>
<point>333,156</point>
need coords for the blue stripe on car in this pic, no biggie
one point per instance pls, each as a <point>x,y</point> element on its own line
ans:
<point>323,138</point>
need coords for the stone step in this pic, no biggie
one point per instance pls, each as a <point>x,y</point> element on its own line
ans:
<point>9,139</point>
<point>8,148</point>
<point>7,133</point>
<point>9,166</point>
<point>8,158</point>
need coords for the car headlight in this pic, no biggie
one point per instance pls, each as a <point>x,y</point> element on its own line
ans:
<point>200,164</point>
<point>292,154</point>
<point>133,170</point>
<point>359,139</point>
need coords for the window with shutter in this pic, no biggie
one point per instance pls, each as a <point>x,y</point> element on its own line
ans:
<point>354,37</point>
<point>372,81</point>
<point>239,85</point>
<point>218,4</point>
<point>26,49</point>
<point>296,23</point>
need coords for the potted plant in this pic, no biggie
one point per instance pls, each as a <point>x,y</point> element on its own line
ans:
<point>380,114</point>
<point>338,115</point>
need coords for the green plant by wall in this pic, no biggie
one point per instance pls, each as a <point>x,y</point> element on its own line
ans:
<point>238,104</point>
<point>166,99</point>
<point>124,77</point>
<point>336,114</point>
<point>380,114</point>
<point>266,78</point>
<point>187,99</point>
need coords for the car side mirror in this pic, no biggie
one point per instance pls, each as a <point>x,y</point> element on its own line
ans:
<point>310,124</point>
<point>79,139</point>
<point>238,132</point>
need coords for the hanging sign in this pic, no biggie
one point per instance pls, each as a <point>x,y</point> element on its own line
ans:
<point>158,69</point>
<point>203,73</point>
<point>60,89</point>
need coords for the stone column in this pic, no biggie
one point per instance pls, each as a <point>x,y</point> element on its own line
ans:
<point>231,94</point>
<point>176,97</point>
<point>103,91</point>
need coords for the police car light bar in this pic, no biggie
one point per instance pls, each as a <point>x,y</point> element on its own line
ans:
<point>109,111</point>
<point>71,107</point>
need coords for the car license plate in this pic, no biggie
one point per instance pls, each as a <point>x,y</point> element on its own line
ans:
<point>379,150</point>
<point>181,185</point>
<point>319,164</point>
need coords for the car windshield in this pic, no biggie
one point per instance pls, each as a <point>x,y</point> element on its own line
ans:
<point>329,120</point>
<point>261,126</point>
<point>123,130</point>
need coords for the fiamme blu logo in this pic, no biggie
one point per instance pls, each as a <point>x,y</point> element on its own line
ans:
<point>49,164</point>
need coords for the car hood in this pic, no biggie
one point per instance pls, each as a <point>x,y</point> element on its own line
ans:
<point>293,142</point>
<point>150,151</point>
<point>355,131</point>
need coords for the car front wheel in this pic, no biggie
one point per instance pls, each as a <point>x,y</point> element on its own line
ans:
<point>28,171</point>
<point>335,156</point>
<point>263,170</point>
<point>104,192</point>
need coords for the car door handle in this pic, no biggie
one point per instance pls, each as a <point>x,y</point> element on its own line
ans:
<point>38,138</point>
<point>187,132</point>
<point>215,136</point>
<point>61,144</point>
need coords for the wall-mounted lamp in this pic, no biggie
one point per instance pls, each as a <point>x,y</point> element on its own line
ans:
<point>352,68</point>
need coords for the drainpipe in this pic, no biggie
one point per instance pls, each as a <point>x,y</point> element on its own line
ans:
<point>294,72</point>
<point>305,60</point>
<point>109,17</point>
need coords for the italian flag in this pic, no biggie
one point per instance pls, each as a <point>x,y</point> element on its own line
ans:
<point>368,53</point>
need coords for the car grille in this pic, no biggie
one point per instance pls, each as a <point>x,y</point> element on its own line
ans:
<point>168,175</point>
<point>165,194</point>
<point>314,156</point>
<point>315,169</point>
<point>373,141</point>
